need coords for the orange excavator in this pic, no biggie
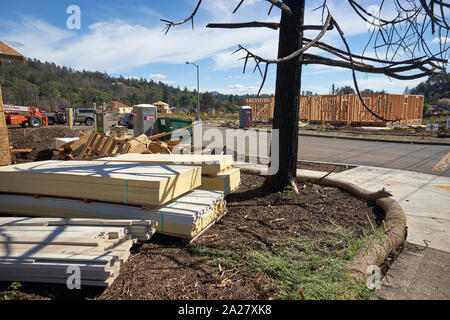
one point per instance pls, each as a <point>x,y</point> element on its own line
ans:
<point>24,115</point>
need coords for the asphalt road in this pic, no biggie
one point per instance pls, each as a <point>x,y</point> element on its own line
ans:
<point>412,157</point>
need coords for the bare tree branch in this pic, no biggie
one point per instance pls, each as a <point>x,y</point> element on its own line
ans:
<point>253,24</point>
<point>294,54</point>
<point>171,24</point>
<point>281,5</point>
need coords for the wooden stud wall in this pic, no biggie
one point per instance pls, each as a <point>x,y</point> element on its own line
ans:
<point>347,109</point>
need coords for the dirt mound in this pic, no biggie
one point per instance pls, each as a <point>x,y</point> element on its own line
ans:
<point>40,140</point>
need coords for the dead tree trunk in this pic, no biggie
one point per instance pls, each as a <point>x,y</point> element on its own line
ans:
<point>287,94</point>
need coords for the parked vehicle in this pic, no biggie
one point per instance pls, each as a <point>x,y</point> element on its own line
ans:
<point>24,115</point>
<point>127,120</point>
<point>56,117</point>
<point>81,116</point>
<point>51,116</point>
<point>85,116</point>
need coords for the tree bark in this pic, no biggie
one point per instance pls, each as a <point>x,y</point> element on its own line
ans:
<point>287,94</point>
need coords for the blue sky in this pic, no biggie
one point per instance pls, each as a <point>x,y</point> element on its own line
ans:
<point>124,37</point>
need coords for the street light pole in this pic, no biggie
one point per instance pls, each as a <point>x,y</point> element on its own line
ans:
<point>198,88</point>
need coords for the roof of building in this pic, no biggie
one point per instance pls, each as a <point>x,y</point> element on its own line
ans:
<point>117,104</point>
<point>160,103</point>
<point>8,53</point>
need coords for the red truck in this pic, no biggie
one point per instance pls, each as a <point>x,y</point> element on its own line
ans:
<point>25,115</point>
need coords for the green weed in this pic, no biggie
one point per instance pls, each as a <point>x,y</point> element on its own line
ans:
<point>12,292</point>
<point>314,264</point>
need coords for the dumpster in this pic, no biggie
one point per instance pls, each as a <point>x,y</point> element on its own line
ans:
<point>169,124</point>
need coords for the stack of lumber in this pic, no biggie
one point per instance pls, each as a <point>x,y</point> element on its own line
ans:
<point>142,230</point>
<point>218,172</point>
<point>227,181</point>
<point>120,182</point>
<point>35,253</point>
<point>185,217</point>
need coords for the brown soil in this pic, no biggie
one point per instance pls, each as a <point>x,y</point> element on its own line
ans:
<point>38,139</point>
<point>166,269</point>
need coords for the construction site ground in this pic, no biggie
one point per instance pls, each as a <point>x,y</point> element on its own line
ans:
<point>40,140</point>
<point>250,254</point>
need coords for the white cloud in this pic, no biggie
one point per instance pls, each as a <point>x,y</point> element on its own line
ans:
<point>441,40</point>
<point>378,83</point>
<point>157,76</point>
<point>116,46</point>
<point>239,89</point>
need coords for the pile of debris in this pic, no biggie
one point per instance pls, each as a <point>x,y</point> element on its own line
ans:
<point>93,145</point>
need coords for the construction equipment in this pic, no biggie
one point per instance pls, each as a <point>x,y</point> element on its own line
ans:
<point>24,115</point>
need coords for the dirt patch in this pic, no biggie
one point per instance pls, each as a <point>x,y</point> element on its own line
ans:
<point>38,139</point>
<point>166,269</point>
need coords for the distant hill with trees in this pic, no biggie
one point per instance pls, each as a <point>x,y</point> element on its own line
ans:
<point>434,89</point>
<point>51,86</point>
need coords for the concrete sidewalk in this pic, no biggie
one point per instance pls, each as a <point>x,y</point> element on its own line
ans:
<point>425,198</point>
<point>419,272</point>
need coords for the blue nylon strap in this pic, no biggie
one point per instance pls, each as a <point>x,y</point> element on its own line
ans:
<point>126,191</point>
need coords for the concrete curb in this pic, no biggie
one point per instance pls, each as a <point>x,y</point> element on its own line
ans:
<point>376,140</point>
<point>395,219</point>
<point>375,254</point>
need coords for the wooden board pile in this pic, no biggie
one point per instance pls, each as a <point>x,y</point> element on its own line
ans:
<point>44,254</point>
<point>141,230</point>
<point>93,145</point>
<point>119,182</point>
<point>89,213</point>
<point>160,193</point>
<point>218,172</point>
<point>185,217</point>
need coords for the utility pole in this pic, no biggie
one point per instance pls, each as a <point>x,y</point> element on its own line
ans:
<point>198,88</point>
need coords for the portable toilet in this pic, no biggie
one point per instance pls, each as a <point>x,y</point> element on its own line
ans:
<point>245,117</point>
<point>145,120</point>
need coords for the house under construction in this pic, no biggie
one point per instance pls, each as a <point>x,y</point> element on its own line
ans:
<point>348,109</point>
